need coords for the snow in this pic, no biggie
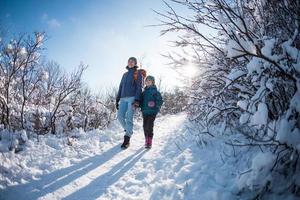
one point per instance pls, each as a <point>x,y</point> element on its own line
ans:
<point>290,50</point>
<point>244,118</point>
<point>295,101</point>
<point>95,167</point>
<point>23,51</point>
<point>210,3</point>
<point>9,47</point>
<point>212,114</point>
<point>268,48</point>
<point>259,172</point>
<point>23,136</point>
<point>261,160</point>
<point>180,165</point>
<point>233,75</point>
<point>4,146</point>
<point>255,65</point>
<point>270,85</point>
<point>297,67</point>
<point>235,49</point>
<point>284,128</point>
<point>259,92</point>
<point>44,75</point>
<point>293,53</point>
<point>260,117</point>
<point>243,104</point>
<point>286,133</point>
<point>39,37</point>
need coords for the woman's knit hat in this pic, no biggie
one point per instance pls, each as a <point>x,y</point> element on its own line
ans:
<point>133,59</point>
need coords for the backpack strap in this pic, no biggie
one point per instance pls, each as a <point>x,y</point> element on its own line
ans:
<point>135,74</point>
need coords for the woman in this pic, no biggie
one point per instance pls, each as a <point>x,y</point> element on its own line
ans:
<point>128,98</point>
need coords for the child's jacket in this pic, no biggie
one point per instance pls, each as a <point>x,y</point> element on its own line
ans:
<point>151,101</point>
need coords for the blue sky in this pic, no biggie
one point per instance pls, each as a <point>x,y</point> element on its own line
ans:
<point>101,33</point>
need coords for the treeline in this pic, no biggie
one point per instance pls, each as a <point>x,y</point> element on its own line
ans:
<point>38,96</point>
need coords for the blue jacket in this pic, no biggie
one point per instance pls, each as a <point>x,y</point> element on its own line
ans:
<point>151,101</point>
<point>128,87</point>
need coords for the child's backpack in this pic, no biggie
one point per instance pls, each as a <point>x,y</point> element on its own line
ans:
<point>143,73</point>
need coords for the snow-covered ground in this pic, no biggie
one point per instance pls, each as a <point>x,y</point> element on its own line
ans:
<point>96,168</point>
<point>181,165</point>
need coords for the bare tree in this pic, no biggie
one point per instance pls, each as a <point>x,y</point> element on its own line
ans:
<point>67,85</point>
<point>17,57</point>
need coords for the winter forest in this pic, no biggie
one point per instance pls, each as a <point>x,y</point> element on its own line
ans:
<point>229,131</point>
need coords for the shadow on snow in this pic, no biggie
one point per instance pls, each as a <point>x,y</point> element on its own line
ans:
<point>99,185</point>
<point>49,183</point>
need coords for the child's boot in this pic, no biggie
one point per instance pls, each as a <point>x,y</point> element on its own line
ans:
<point>149,143</point>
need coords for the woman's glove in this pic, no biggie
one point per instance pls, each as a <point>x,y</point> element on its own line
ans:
<point>117,104</point>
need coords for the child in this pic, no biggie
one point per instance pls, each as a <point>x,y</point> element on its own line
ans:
<point>151,102</point>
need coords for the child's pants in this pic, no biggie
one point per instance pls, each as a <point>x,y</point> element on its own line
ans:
<point>125,114</point>
<point>148,123</point>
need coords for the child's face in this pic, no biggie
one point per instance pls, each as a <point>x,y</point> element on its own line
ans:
<point>149,82</point>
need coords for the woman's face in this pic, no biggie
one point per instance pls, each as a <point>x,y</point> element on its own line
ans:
<point>131,63</point>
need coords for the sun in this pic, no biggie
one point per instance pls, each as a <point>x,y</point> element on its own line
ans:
<point>191,70</point>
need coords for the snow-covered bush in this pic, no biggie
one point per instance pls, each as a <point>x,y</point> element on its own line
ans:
<point>93,111</point>
<point>248,53</point>
<point>175,101</point>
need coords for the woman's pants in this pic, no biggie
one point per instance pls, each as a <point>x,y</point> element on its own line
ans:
<point>125,114</point>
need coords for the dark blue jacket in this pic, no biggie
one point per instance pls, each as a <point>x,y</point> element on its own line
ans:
<point>128,86</point>
<point>151,101</point>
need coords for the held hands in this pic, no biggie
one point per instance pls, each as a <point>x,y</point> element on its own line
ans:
<point>135,104</point>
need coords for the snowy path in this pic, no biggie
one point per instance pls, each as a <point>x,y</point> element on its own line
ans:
<point>115,174</point>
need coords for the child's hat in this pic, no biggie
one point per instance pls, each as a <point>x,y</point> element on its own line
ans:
<point>151,78</point>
